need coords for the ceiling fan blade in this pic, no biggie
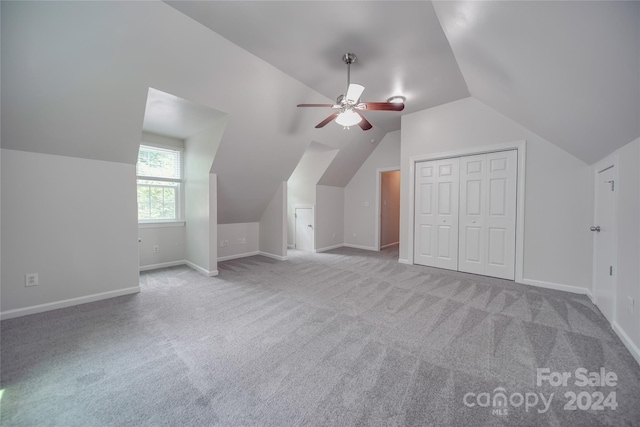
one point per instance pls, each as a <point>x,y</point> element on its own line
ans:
<point>364,123</point>
<point>354,91</point>
<point>382,106</point>
<point>327,120</point>
<point>316,105</point>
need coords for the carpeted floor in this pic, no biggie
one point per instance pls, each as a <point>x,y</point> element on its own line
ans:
<point>342,338</point>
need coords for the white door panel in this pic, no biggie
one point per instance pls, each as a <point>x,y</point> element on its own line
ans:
<point>488,214</point>
<point>436,213</point>
<point>472,205</point>
<point>426,245</point>
<point>473,247</point>
<point>497,246</point>
<point>425,217</point>
<point>500,219</point>
<point>605,292</point>
<point>304,229</point>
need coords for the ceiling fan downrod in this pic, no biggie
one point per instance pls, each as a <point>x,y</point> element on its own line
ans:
<point>349,58</point>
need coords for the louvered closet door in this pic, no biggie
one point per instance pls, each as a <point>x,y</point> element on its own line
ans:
<point>488,214</point>
<point>436,213</point>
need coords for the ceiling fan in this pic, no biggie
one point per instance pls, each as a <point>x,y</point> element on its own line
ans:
<point>349,104</point>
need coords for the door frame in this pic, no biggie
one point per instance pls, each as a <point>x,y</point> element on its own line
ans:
<point>611,161</point>
<point>521,147</point>
<point>379,173</point>
<point>295,228</point>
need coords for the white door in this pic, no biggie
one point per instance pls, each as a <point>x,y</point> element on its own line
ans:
<point>604,230</point>
<point>304,229</point>
<point>488,214</point>
<point>436,213</point>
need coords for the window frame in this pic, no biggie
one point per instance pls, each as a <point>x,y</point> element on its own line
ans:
<point>179,188</point>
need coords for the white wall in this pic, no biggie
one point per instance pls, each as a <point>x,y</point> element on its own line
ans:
<point>213,221</point>
<point>628,250</point>
<point>559,189</point>
<point>74,222</point>
<point>242,239</point>
<point>201,198</point>
<point>170,243</point>
<point>329,227</point>
<point>301,186</point>
<point>360,194</point>
<point>273,226</point>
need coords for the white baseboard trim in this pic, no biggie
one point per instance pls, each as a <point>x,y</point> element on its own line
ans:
<point>390,244</point>
<point>557,286</point>
<point>162,265</point>
<point>591,297</point>
<point>67,303</point>
<point>328,248</point>
<point>278,257</point>
<point>366,248</point>
<point>199,269</point>
<point>291,246</point>
<point>626,340</point>
<point>404,261</point>
<point>236,256</point>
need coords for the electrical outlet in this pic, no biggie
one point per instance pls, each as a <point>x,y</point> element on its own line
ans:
<point>156,248</point>
<point>242,241</point>
<point>333,235</point>
<point>630,301</point>
<point>354,234</point>
<point>31,279</point>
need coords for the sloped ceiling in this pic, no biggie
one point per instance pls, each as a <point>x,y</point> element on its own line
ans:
<point>75,76</point>
<point>172,116</point>
<point>400,47</point>
<point>569,71</point>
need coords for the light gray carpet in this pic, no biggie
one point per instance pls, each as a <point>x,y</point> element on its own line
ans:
<point>342,338</point>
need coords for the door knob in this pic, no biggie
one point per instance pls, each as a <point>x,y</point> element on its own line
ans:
<point>596,228</point>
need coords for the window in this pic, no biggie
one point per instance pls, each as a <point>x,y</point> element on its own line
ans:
<point>159,175</point>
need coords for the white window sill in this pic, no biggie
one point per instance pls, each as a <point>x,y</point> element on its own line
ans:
<point>161,224</point>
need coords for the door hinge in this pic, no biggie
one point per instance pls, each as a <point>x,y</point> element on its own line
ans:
<point>610,270</point>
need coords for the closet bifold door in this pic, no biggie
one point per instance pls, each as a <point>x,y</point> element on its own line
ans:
<point>436,213</point>
<point>488,214</point>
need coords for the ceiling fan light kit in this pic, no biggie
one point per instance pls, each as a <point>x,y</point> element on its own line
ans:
<point>348,118</point>
<point>349,103</point>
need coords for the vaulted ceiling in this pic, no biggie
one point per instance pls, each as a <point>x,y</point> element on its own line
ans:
<point>569,71</point>
<point>75,76</point>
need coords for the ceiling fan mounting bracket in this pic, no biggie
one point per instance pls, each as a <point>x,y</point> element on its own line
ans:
<point>349,58</point>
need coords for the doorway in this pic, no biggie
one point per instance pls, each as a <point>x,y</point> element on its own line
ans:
<point>304,238</point>
<point>389,233</point>
<point>604,230</point>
